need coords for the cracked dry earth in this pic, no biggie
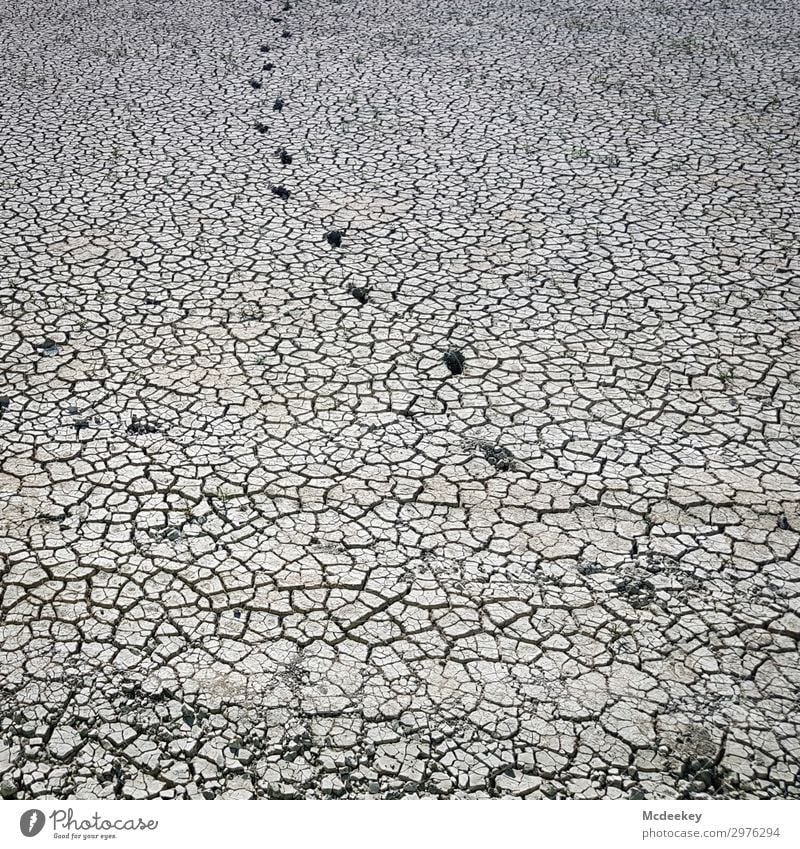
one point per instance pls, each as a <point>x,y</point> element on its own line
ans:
<point>401,399</point>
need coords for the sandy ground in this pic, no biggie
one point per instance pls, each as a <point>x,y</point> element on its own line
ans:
<point>400,398</point>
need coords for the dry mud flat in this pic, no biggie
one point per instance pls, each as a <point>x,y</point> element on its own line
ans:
<point>259,538</point>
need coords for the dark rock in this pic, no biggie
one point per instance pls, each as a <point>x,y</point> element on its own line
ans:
<point>264,48</point>
<point>285,156</point>
<point>286,34</point>
<point>261,127</point>
<point>501,458</point>
<point>281,191</point>
<point>704,772</point>
<point>8,789</point>
<point>783,523</point>
<point>171,534</point>
<point>277,106</point>
<point>334,238</point>
<point>254,83</point>
<point>267,66</point>
<point>141,426</point>
<point>454,360</point>
<point>640,592</point>
<point>360,293</point>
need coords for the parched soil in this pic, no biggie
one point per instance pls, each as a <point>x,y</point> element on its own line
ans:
<point>399,398</point>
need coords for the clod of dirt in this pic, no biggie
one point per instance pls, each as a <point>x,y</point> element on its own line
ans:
<point>360,293</point>
<point>501,458</point>
<point>264,48</point>
<point>498,456</point>
<point>640,591</point>
<point>278,104</point>
<point>140,426</point>
<point>285,156</point>
<point>267,66</point>
<point>281,191</point>
<point>47,346</point>
<point>261,127</point>
<point>454,360</point>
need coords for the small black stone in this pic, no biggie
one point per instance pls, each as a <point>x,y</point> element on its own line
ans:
<point>360,293</point>
<point>783,523</point>
<point>264,48</point>
<point>8,789</point>
<point>4,403</point>
<point>47,344</point>
<point>286,34</point>
<point>285,156</point>
<point>254,83</point>
<point>334,238</point>
<point>277,106</point>
<point>454,360</point>
<point>501,458</point>
<point>267,66</point>
<point>281,192</point>
<point>260,127</point>
<point>640,591</point>
<point>140,426</point>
